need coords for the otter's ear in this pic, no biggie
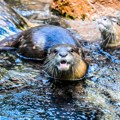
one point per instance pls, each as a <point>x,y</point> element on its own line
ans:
<point>116,20</point>
<point>80,51</point>
<point>49,51</point>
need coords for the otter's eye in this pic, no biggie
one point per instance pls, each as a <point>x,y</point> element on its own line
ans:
<point>55,51</point>
<point>71,50</point>
<point>104,19</point>
<point>118,23</point>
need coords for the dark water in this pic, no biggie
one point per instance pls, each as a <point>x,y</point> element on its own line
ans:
<point>40,103</point>
<point>27,94</point>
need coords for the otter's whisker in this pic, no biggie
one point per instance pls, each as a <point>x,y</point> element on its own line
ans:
<point>115,31</point>
<point>107,36</point>
<point>108,40</point>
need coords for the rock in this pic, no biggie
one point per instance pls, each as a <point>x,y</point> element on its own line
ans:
<point>10,21</point>
<point>87,9</point>
<point>37,9</point>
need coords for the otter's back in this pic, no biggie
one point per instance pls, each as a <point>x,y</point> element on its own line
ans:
<point>52,35</point>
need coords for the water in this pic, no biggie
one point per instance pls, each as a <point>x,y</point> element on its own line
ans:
<point>39,104</point>
<point>26,94</point>
<point>10,22</point>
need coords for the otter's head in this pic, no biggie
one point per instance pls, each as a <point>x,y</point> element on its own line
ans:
<point>110,30</point>
<point>65,62</point>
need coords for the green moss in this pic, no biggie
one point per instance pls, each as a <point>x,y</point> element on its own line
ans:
<point>69,17</point>
<point>83,17</point>
<point>3,71</point>
<point>58,13</point>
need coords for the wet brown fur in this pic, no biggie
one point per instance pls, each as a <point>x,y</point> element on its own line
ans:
<point>111,36</point>
<point>77,71</point>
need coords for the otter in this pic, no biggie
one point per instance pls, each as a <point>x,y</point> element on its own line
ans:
<point>110,31</point>
<point>60,52</point>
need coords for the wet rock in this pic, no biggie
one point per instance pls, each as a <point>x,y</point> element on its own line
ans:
<point>34,10</point>
<point>10,21</point>
<point>88,31</point>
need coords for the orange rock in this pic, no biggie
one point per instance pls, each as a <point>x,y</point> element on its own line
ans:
<point>86,9</point>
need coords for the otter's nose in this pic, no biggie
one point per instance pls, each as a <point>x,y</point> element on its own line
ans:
<point>63,54</point>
